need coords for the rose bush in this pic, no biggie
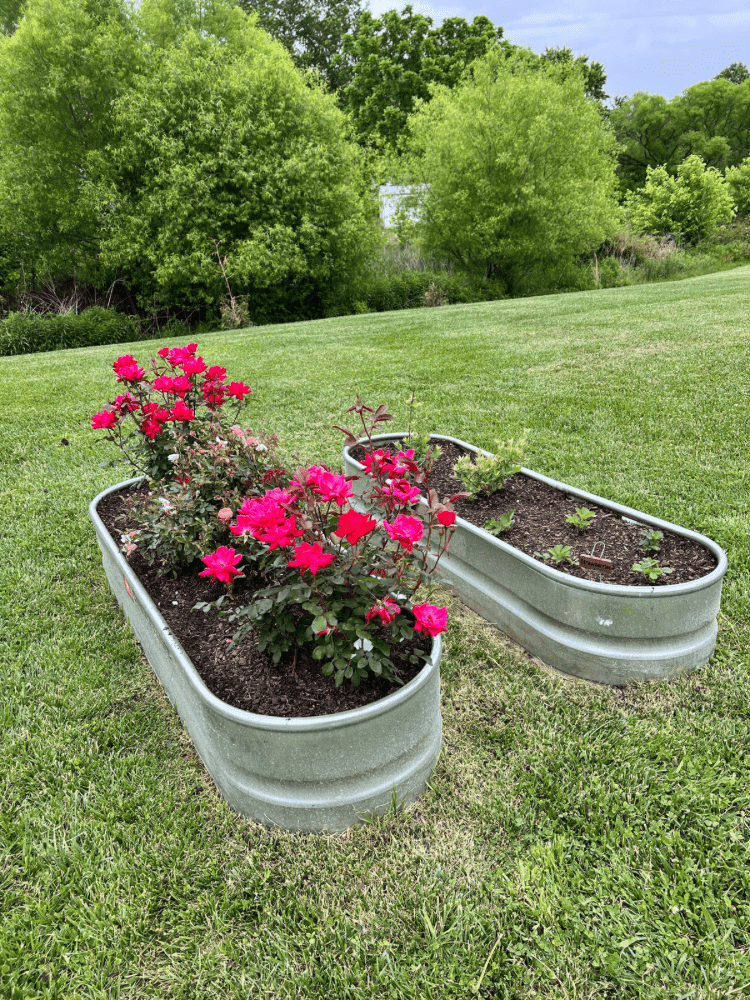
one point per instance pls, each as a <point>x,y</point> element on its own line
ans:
<point>332,578</point>
<point>176,423</point>
<point>320,573</point>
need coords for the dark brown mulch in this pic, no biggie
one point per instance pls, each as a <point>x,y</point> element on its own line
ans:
<point>540,513</point>
<point>245,677</point>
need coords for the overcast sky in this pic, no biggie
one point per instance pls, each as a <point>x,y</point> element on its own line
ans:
<point>660,46</point>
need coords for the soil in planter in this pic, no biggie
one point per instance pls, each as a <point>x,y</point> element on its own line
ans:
<point>245,677</point>
<point>540,513</point>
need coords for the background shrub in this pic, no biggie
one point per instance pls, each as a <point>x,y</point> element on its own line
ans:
<point>28,333</point>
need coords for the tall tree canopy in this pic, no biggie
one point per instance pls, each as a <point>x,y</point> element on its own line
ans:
<point>61,70</point>
<point>312,31</point>
<point>594,75</point>
<point>220,139</point>
<point>735,73</point>
<point>10,14</point>
<point>394,59</point>
<point>710,120</point>
<point>517,166</point>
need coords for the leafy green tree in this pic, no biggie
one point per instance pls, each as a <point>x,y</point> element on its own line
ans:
<point>691,205</point>
<point>594,74</point>
<point>61,69</point>
<point>735,73</point>
<point>738,180</point>
<point>711,120</point>
<point>518,167</point>
<point>394,59</point>
<point>10,14</point>
<point>221,140</point>
<point>312,32</point>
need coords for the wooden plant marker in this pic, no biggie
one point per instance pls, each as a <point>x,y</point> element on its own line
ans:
<point>590,561</point>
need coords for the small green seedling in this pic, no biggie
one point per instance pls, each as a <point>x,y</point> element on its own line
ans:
<point>650,568</point>
<point>650,539</point>
<point>582,518</point>
<point>487,473</point>
<point>504,523</point>
<point>557,553</point>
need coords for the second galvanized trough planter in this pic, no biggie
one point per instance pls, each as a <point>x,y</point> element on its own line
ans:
<point>609,633</point>
<point>315,774</point>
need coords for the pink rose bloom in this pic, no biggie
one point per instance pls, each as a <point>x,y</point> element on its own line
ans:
<point>225,514</point>
<point>181,412</point>
<point>310,557</point>
<point>266,520</point>
<point>213,394</point>
<point>446,518</point>
<point>405,530</point>
<point>104,419</point>
<point>400,491</point>
<point>238,389</point>
<point>150,428</point>
<point>331,487</point>
<point>220,565</point>
<point>180,385</point>
<point>280,535</point>
<point>279,496</point>
<point>404,462</point>
<point>386,610</point>
<point>178,354</point>
<point>381,459</point>
<point>353,526</point>
<point>311,478</point>
<point>192,366</point>
<point>127,369</point>
<point>164,383</point>
<point>126,403</point>
<point>430,620</point>
<point>155,411</point>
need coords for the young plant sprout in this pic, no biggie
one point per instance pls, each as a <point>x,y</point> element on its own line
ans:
<point>488,473</point>
<point>557,554</point>
<point>582,518</point>
<point>650,539</point>
<point>651,569</point>
<point>504,523</point>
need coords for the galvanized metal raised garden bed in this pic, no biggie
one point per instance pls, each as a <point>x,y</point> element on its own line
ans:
<point>609,633</point>
<point>314,774</point>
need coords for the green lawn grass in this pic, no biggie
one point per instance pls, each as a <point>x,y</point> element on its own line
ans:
<point>576,841</point>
